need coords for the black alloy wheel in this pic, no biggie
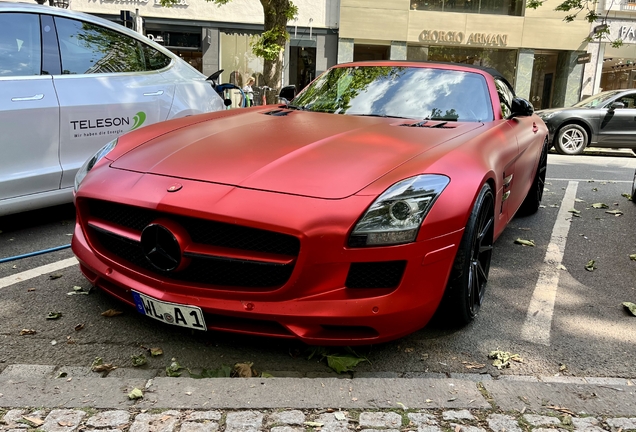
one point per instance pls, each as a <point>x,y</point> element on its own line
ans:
<point>531,203</point>
<point>467,284</point>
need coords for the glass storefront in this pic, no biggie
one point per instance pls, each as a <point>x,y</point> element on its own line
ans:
<point>543,79</point>
<point>503,60</point>
<point>238,61</point>
<point>618,73</point>
<point>494,7</point>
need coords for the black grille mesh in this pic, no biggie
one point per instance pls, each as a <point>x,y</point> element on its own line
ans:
<point>387,274</point>
<point>208,270</point>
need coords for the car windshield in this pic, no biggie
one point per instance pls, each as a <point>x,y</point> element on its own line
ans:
<point>596,100</point>
<point>405,92</point>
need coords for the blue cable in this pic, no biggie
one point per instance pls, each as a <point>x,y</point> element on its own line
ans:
<point>30,254</point>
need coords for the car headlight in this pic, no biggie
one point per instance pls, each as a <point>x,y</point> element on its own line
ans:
<point>395,216</point>
<point>90,163</point>
<point>546,116</point>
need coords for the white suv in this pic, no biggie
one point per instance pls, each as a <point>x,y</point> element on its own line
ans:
<point>69,83</point>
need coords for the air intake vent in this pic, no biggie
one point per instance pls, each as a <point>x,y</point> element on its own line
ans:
<point>277,113</point>
<point>430,124</point>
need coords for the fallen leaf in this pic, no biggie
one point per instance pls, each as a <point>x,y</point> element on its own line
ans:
<point>574,211</point>
<point>354,399</point>
<point>55,276</point>
<point>111,313</point>
<point>135,394</point>
<point>591,265</point>
<point>65,423</point>
<point>470,365</point>
<point>99,366</point>
<point>409,350</point>
<point>631,307</point>
<point>78,327</point>
<point>313,424</point>
<point>266,375</point>
<point>154,352</point>
<point>340,416</point>
<point>428,400</point>
<point>244,370</point>
<point>27,332</point>
<point>138,360</point>
<point>525,242</point>
<point>502,359</point>
<point>562,367</point>
<point>34,420</point>
<point>632,257</point>
<point>31,290</point>
<point>62,375</point>
<point>174,369</point>
<point>53,315</point>
<point>561,267</point>
<point>614,212</point>
<point>600,206</point>
<point>563,410</point>
<point>594,189</point>
<point>626,195</point>
<point>579,200</point>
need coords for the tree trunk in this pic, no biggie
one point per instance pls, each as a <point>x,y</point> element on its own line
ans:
<point>275,17</point>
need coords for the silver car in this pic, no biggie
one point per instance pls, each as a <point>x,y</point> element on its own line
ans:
<point>71,82</point>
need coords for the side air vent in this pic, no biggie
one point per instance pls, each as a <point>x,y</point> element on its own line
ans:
<point>277,113</point>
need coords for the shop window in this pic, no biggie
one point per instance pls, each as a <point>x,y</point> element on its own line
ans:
<point>371,52</point>
<point>495,7</point>
<point>238,61</point>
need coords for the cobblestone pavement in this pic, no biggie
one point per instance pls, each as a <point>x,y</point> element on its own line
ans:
<point>325,420</point>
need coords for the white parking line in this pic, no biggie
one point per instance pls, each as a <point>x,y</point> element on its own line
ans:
<point>538,322</point>
<point>38,271</point>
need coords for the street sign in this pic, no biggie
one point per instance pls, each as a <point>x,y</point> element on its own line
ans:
<point>584,58</point>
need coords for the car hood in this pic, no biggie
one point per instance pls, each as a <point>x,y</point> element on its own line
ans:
<point>303,153</point>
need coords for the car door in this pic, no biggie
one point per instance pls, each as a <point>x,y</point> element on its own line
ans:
<point>29,110</point>
<point>109,84</point>
<point>618,125</point>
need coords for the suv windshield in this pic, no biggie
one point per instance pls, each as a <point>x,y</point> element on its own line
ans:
<point>596,100</point>
<point>405,92</point>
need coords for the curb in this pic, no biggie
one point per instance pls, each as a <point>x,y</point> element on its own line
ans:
<point>36,385</point>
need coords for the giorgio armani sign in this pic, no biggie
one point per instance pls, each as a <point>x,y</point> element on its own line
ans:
<point>461,38</point>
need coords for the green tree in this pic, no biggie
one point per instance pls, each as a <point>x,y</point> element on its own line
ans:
<point>270,44</point>
<point>588,8</point>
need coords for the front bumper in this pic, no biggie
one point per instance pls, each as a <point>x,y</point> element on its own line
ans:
<point>314,304</point>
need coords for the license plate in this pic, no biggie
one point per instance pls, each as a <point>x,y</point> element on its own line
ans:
<point>170,313</point>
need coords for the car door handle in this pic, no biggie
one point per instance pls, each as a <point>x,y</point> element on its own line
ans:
<point>28,98</point>
<point>535,128</point>
<point>157,93</point>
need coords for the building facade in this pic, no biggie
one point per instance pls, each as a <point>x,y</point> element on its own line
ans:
<point>534,49</point>
<point>212,37</point>
<point>613,68</point>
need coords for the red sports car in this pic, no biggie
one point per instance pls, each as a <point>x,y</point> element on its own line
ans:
<point>346,216</point>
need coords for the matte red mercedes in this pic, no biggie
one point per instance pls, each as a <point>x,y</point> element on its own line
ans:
<point>348,216</point>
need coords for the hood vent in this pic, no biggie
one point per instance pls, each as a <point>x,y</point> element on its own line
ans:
<point>429,124</point>
<point>277,112</point>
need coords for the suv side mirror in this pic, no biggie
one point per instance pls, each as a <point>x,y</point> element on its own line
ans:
<point>521,108</point>
<point>615,105</point>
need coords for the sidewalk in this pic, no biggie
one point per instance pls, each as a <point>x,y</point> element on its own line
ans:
<point>81,400</point>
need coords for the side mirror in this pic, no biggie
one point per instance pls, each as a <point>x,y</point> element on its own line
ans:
<point>615,105</point>
<point>521,108</point>
<point>288,92</point>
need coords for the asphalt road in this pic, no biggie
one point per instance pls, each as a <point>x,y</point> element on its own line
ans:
<point>586,333</point>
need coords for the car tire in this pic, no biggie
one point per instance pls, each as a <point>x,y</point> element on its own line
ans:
<point>633,196</point>
<point>469,275</point>
<point>571,140</point>
<point>531,203</point>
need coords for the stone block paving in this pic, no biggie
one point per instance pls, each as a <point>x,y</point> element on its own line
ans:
<point>76,420</point>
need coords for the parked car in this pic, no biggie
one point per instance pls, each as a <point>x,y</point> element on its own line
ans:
<point>71,82</point>
<point>607,119</point>
<point>344,217</point>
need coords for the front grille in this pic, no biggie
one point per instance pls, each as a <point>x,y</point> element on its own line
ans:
<point>387,274</point>
<point>215,270</point>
